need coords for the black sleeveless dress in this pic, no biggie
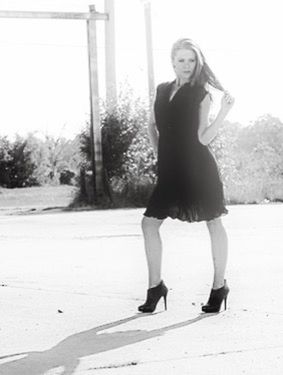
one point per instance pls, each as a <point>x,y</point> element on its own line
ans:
<point>188,187</point>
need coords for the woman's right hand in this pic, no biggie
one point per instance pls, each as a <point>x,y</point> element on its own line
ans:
<point>227,102</point>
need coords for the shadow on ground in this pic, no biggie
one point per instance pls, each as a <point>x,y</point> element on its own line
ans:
<point>68,352</point>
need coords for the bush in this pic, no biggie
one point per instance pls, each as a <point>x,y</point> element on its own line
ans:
<point>16,165</point>
<point>67,177</point>
<point>127,157</point>
<point>53,156</point>
<point>251,160</point>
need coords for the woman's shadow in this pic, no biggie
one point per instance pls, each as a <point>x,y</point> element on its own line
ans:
<point>68,352</point>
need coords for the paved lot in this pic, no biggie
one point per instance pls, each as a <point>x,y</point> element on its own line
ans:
<point>71,283</point>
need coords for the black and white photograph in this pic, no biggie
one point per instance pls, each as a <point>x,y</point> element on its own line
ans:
<point>141,187</point>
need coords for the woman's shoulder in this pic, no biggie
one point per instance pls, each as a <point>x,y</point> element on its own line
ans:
<point>202,91</point>
<point>163,85</point>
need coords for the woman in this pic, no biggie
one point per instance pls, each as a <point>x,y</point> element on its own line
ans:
<point>188,186</point>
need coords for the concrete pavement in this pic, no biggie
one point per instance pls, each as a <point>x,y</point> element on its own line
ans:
<point>71,283</point>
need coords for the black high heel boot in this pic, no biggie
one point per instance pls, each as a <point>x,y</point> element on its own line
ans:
<point>217,296</point>
<point>153,296</point>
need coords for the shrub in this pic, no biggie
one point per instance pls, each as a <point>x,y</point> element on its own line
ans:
<point>251,160</point>
<point>67,177</point>
<point>16,164</point>
<point>127,157</point>
<point>53,156</point>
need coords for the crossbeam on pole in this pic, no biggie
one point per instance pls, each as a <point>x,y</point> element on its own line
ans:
<point>54,15</point>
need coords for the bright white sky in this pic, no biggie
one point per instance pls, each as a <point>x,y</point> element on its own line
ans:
<point>43,63</point>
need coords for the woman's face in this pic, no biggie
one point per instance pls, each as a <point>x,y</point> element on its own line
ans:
<point>184,63</point>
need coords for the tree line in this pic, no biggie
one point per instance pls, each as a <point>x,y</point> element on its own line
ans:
<point>250,158</point>
<point>33,161</point>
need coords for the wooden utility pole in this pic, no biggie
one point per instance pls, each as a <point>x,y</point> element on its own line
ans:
<point>95,134</point>
<point>95,131</point>
<point>110,63</point>
<point>149,49</point>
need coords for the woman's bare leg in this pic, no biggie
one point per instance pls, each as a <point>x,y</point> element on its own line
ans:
<point>219,249</point>
<point>153,249</point>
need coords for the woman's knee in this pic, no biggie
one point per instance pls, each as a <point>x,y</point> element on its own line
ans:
<point>214,224</point>
<point>150,224</point>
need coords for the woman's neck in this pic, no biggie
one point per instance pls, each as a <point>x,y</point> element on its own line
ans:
<point>180,82</point>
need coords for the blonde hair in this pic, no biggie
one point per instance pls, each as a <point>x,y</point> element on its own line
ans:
<point>202,74</point>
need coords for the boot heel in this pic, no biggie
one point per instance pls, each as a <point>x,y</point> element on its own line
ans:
<point>165,302</point>
<point>225,303</point>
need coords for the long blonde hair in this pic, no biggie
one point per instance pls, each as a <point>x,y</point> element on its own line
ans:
<point>202,74</point>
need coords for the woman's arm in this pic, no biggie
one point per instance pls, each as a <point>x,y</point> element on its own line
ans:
<point>153,132</point>
<point>207,132</point>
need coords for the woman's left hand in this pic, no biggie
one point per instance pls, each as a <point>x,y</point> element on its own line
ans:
<point>227,101</point>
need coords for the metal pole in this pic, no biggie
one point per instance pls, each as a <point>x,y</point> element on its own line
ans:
<point>95,131</point>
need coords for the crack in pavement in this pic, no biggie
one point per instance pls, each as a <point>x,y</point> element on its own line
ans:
<point>127,364</point>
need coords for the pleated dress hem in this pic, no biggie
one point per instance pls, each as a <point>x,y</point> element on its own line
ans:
<point>185,215</point>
